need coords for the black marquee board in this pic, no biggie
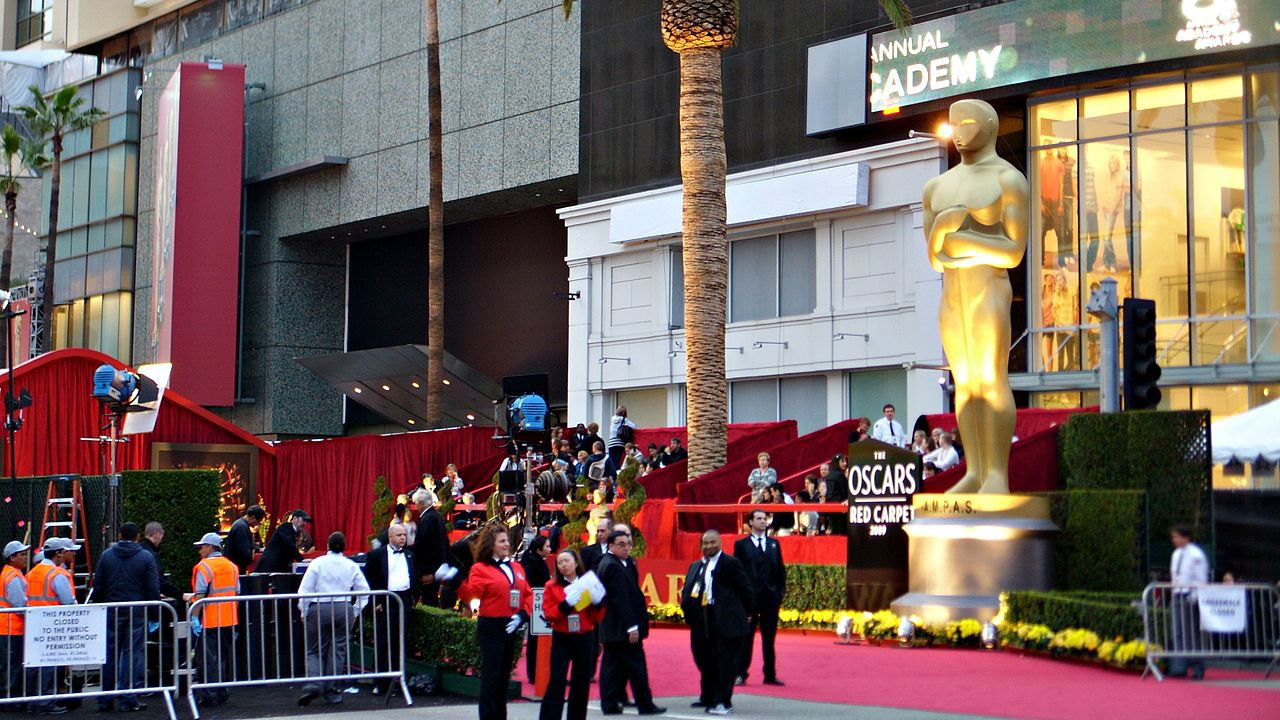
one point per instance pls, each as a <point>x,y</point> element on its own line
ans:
<point>882,480</point>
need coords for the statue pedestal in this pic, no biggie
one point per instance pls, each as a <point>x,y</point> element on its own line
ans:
<point>965,549</point>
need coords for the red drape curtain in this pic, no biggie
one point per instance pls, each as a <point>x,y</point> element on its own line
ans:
<point>333,479</point>
<point>745,440</point>
<point>729,482</point>
<point>657,522</point>
<point>1033,466</point>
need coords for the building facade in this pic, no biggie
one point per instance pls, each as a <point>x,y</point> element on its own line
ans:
<point>1139,128</point>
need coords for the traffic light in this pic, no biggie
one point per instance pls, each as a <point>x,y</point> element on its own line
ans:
<point>1141,371</point>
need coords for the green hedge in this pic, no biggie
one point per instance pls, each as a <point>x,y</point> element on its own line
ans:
<point>1164,453</point>
<point>1108,614</point>
<point>445,639</point>
<point>186,502</point>
<point>627,509</point>
<point>1101,543</point>
<point>815,587</point>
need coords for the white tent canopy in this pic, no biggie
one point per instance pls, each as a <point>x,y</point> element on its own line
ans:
<point>1247,436</point>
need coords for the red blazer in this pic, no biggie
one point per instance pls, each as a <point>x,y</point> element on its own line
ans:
<point>553,595</point>
<point>487,582</point>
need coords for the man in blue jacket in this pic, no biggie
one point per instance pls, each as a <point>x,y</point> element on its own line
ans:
<point>126,573</point>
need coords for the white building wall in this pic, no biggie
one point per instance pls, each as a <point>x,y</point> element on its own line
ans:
<point>871,278</point>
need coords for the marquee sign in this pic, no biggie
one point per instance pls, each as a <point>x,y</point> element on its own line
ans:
<point>882,480</point>
<point>1019,42</point>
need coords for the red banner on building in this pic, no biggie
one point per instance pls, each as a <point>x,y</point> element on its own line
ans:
<point>196,246</point>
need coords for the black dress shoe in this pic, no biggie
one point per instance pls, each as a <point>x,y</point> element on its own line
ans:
<point>653,710</point>
<point>305,698</point>
<point>774,681</point>
<point>611,711</point>
<point>697,703</point>
<point>136,707</point>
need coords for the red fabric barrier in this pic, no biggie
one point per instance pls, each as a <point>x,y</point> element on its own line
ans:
<point>63,411</point>
<point>729,482</point>
<point>477,477</point>
<point>657,522</point>
<point>662,436</point>
<point>333,479</point>
<point>1033,466</point>
<point>745,441</point>
<point>1030,420</point>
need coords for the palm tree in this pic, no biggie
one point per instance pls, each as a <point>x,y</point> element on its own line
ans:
<point>435,224</point>
<point>21,158</point>
<point>700,31</point>
<point>52,120</point>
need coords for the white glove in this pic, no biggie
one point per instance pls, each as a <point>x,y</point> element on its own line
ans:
<point>446,572</point>
<point>514,625</point>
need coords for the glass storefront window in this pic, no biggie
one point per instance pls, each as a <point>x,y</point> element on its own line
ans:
<point>1264,93</point>
<point>1264,235</point>
<point>1055,182</point>
<point>1159,107</point>
<point>1217,100</point>
<point>1104,115</point>
<point>1161,221</point>
<point>1218,256</point>
<point>1053,122</point>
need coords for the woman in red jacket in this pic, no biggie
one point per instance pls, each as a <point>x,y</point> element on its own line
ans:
<point>571,642</point>
<point>505,605</point>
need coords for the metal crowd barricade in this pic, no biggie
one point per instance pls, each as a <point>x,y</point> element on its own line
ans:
<point>1245,626</point>
<point>328,647</point>
<point>118,646</point>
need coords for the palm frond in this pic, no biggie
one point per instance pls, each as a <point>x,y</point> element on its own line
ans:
<point>568,8</point>
<point>899,13</point>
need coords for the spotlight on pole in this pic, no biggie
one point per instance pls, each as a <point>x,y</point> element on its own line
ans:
<point>906,633</point>
<point>989,636</point>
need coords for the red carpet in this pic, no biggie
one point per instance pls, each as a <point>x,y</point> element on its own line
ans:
<point>1000,684</point>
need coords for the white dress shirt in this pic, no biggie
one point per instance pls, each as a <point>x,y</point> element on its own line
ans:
<point>944,458</point>
<point>890,431</point>
<point>708,567</point>
<point>333,573</point>
<point>397,570</point>
<point>1189,566</point>
<point>760,541</point>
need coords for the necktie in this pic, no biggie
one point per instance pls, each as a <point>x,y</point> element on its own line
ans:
<point>401,550</point>
<point>706,582</point>
<point>760,543</point>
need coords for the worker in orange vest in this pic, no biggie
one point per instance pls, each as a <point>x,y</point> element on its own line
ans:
<point>214,577</point>
<point>13,594</point>
<point>50,583</point>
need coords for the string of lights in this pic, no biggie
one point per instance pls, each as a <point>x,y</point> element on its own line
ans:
<point>21,227</point>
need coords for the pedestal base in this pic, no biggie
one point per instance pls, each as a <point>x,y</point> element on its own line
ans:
<point>964,550</point>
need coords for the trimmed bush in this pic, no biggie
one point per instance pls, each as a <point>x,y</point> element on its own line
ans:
<point>1101,545</point>
<point>445,639</point>
<point>815,587</point>
<point>1107,614</point>
<point>628,508</point>
<point>186,502</point>
<point>384,503</point>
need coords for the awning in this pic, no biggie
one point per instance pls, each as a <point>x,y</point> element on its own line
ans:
<point>392,381</point>
<point>1248,436</point>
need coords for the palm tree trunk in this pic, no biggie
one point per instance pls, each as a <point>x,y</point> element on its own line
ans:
<point>51,249</point>
<point>435,229</point>
<point>6,260</point>
<point>706,255</point>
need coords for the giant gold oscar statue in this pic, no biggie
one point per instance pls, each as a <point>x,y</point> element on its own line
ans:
<point>975,219</point>
<point>976,541</point>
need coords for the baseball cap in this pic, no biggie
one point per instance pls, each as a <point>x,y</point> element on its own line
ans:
<point>13,548</point>
<point>58,543</point>
<point>209,538</point>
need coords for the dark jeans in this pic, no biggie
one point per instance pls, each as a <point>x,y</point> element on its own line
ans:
<point>11,666</point>
<point>767,620</point>
<point>497,656</point>
<point>716,658</point>
<point>126,664</point>
<point>578,650</point>
<point>42,681</point>
<point>1064,231</point>
<point>1185,635</point>
<point>215,666</point>
<point>623,662</point>
<point>1091,238</point>
<point>328,630</point>
<point>531,658</point>
<point>388,630</point>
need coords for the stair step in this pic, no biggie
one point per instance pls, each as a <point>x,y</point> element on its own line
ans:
<point>62,501</point>
<point>60,523</point>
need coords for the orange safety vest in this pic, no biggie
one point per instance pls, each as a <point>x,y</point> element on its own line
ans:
<point>40,585</point>
<point>10,623</point>
<point>221,575</point>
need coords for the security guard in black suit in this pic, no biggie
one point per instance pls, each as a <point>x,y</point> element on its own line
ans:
<point>762,557</point>
<point>717,601</point>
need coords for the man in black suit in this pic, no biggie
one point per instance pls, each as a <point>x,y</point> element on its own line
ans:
<point>282,549</point>
<point>431,547</point>
<point>673,453</point>
<point>592,554</point>
<point>391,567</point>
<point>625,626</point>
<point>239,545</point>
<point>716,600</point>
<point>761,556</point>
